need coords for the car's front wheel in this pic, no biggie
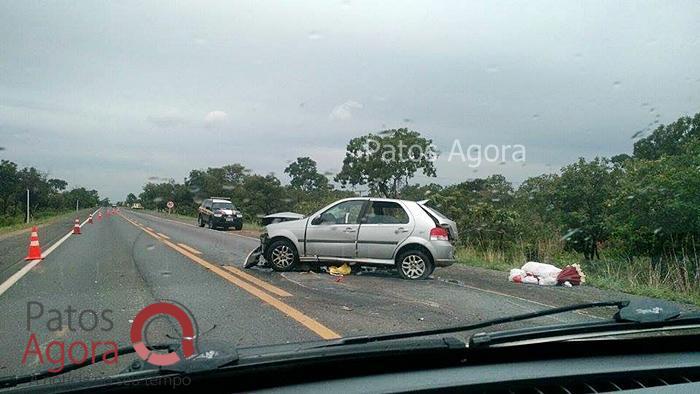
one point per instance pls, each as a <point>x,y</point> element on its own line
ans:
<point>210,223</point>
<point>414,264</point>
<point>200,222</point>
<point>282,255</point>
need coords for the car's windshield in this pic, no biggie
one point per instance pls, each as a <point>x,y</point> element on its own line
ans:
<point>222,205</point>
<point>391,166</point>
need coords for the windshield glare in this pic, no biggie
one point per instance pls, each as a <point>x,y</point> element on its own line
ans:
<point>557,145</point>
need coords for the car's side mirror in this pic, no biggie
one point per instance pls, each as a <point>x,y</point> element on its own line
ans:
<point>316,221</point>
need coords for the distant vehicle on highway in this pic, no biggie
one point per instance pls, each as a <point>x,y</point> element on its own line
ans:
<point>136,206</point>
<point>407,235</point>
<point>219,212</point>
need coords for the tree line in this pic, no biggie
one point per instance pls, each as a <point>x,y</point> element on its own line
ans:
<point>46,195</point>
<point>645,204</point>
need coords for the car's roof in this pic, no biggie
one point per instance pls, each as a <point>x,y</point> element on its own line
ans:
<point>219,200</point>
<point>377,199</point>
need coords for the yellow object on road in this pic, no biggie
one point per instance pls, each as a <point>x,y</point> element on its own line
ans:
<point>340,271</point>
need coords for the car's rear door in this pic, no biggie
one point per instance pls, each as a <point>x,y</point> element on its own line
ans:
<point>336,234</point>
<point>385,225</point>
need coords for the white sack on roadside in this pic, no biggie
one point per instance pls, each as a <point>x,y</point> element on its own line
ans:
<point>541,270</point>
<point>546,281</point>
<point>516,275</point>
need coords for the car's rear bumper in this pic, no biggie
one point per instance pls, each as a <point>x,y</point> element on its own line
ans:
<point>444,262</point>
<point>443,253</point>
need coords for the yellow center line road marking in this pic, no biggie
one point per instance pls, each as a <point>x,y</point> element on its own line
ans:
<point>308,322</point>
<point>256,281</point>
<point>195,226</point>
<point>150,229</point>
<point>163,235</point>
<point>189,248</point>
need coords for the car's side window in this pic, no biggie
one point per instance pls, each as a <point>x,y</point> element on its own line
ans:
<point>386,212</point>
<point>347,212</point>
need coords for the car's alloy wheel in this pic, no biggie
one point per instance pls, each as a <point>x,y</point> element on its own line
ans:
<point>282,256</point>
<point>413,266</point>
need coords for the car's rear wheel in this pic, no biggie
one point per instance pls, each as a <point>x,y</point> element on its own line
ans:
<point>282,255</point>
<point>238,227</point>
<point>414,264</point>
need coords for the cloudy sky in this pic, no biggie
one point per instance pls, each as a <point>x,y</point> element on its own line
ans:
<point>109,94</point>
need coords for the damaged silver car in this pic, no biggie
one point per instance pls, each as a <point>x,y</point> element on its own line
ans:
<point>380,232</point>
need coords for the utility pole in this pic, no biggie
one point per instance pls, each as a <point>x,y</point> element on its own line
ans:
<point>76,205</point>
<point>27,205</point>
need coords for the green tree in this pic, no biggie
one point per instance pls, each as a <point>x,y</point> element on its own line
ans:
<point>670,139</point>
<point>656,212</point>
<point>386,161</point>
<point>131,199</point>
<point>305,175</point>
<point>419,192</point>
<point>581,198</point>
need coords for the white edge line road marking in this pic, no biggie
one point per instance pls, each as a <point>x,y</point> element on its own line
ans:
<point>191,225</point>
<point>31,264</point>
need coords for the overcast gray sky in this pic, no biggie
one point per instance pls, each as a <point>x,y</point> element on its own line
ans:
<point>108,94</point>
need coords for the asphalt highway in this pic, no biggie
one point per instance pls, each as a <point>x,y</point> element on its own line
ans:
<point>124,262</point>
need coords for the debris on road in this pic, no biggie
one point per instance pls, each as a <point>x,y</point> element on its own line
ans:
<point>343,270</point>
<point>547,275</point>
<point>346,308</point>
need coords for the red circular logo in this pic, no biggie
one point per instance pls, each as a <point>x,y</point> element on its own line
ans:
<point>184,319</point>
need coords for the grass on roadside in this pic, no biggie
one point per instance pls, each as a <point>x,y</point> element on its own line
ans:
<point>634,276</point>
<point>40,219</point>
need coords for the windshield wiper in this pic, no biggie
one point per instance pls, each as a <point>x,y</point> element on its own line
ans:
<point>473,326</point>
<point>651,312</point>
<point>12,381</point>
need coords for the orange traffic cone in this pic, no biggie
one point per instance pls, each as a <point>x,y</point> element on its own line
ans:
<point>76,226</point>
<point>90,219</point>
<point>34,251</point>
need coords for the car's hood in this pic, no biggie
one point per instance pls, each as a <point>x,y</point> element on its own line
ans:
<point>289,224</point>
<point>228,211</point>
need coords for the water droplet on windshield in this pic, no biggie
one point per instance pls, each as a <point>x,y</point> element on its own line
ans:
<point>314,35</point>
<point>617,84</point>
<point>570,234</point>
